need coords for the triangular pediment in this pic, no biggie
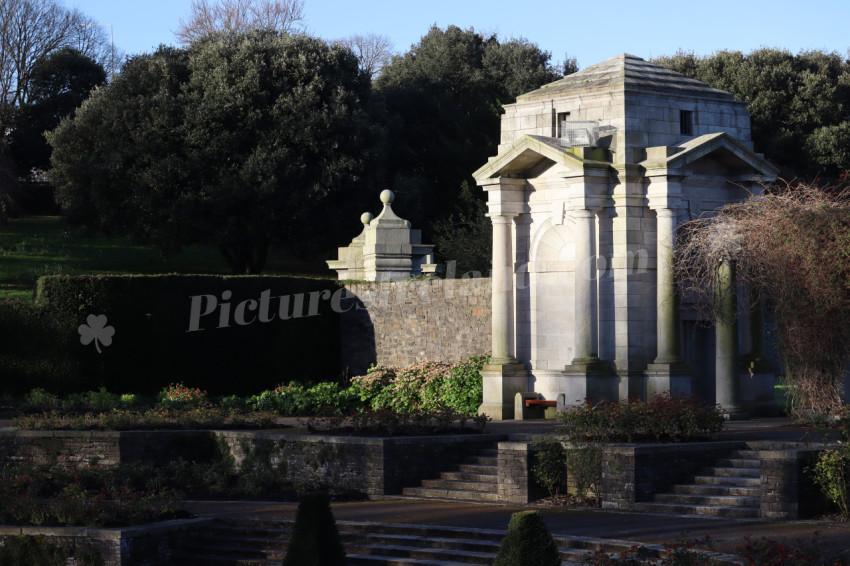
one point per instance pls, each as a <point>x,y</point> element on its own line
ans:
<point>529,153</point>
<point>711,151</point>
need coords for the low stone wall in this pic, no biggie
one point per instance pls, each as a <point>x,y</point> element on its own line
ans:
<point>146,545</point>
<point>85,449</point>
<point>405,322</point>
<point>370,466</point>
<point>376,467</point>
<point>516,479</point>
<point>633,473</point>
<point>787,492</point>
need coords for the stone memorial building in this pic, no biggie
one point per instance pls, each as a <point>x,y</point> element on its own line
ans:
<point>593,174</point>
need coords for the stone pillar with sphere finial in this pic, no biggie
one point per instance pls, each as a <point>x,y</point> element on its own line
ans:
<point>386,250</point>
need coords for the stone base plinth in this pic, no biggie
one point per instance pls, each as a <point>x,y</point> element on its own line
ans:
<point>502,381</point>
<point>673,378</point>
<point>595,377</point>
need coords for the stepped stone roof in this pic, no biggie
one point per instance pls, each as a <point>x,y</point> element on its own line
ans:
<point>625,72</point>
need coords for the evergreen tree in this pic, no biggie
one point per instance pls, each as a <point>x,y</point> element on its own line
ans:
<point>315,539</point>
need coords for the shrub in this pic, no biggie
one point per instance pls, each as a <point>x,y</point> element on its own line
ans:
<point>315,539</point>
<point>424,385</point>
<point>664,418</point>
<point>528,542</point>
<point>831,474</point>
<point>767,552</point>
<point>386,422</point>
<point>38,398</point>
<point>550,467</point>
<point>178,396</point>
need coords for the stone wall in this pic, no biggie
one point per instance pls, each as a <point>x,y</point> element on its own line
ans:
<point>516,478</point>
<point>633,473</point>
<point>368,466</point>
<point>145,545</point>
<point>787,491</point>
<point>412,321</point>
<point>104,449</point>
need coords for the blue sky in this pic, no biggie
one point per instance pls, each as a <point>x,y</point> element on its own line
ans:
<point>591,31</point>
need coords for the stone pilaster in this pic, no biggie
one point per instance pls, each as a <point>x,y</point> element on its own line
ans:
<point>586,364</point>
<point>667,373</point>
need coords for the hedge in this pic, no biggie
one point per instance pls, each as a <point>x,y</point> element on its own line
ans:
<point>154,342</point>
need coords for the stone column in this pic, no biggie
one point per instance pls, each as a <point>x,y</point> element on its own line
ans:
<point>503,377</point>
<point>502,290</point>
<point>585,282</point>
<point>727,386</point>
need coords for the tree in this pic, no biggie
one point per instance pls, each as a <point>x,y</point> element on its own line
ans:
<point>58,85</point>
<point>372,50</point>
<point>208,17</point>
<point>235,142</point>
<point>791,247</point>
<point>315,538</point>
<point>442,104</point>
<point>528,542</point>
<point>30,30</point>
<point>799,104</point>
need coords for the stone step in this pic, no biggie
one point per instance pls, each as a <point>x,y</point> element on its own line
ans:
<point>707,510</point>
<point>482,461</point>
<point>443,543</point>
<point>476,469</point>
<point>715,500</point>
<point>231,540</point>
<point>489,452</point>
<point>738,463</point>
<point>463,476</point>
<point>377,544</point>
<point>733,481</point>
<point>461,485</point>
<point>186,559</point>
<point>736,472</point>
<point>421,553</point>
<point>439,493</point>
<point>749,454</point>
<point>728,490</point>
<point>239,551</point>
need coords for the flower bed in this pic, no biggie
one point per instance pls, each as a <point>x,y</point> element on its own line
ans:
<point>202,417</point>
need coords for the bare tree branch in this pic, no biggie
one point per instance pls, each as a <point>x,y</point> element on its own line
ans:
<point>207,17</point>
<point>372,50</point>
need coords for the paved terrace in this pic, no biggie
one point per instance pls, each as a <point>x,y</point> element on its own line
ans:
<point>727,533</point>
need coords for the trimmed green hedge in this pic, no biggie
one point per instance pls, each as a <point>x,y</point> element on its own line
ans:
<point>155,341</point>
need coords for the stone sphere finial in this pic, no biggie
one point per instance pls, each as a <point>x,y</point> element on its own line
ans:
<point>366,218</point>
<point>387,196</point>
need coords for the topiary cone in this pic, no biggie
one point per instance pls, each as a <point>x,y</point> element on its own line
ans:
<point>315,538</point>
<point>528,542</point>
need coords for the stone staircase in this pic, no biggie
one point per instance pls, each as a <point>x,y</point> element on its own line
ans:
<point>476,479</point>
<point>257,542</point>
<point>731,488</point>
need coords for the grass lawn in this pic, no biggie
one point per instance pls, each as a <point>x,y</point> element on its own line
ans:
<point>34,246</point>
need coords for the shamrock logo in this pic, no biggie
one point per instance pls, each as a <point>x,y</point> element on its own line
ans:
<point>97,331</point>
